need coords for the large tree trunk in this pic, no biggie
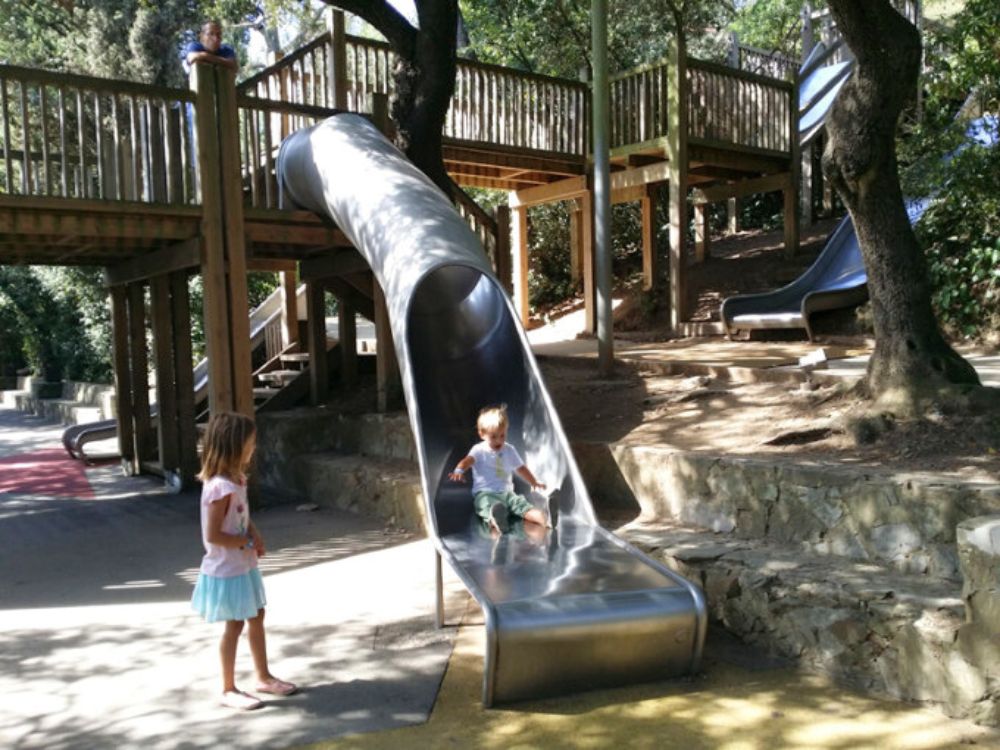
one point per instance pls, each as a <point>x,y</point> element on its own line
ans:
<point>424,76</point>
<point>912,363</point>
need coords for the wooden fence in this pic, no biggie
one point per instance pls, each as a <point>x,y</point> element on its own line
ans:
<point>734,108</point>
<point>639,105</point>
<point>264,124</point>
<point>76,136</point>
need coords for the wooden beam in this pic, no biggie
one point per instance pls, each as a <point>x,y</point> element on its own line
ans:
<point>139,364</point>
<point>332,264</point>
<point>96,226</point>
<point>168,436</point>
<point>235,241</point>
<point>587,254</point>
<point>347,290</point>
<point>741,189</point>
<point>505,256</point>
<point>640,176</point>
<point>701,154</point>
<point>650,258</point>
<point>271,265</point>
<point>347,333</point>
<point>316,340</point>
<point>289,307</point>
<point>701,232</point>
<point>554,191</point>
<point>180,310</point>
<point>387,382</point>
<point>519,249</point>
<point>575,241</point>
<point>213,259</point>
<point>181,256</point>
<point>123,376</point>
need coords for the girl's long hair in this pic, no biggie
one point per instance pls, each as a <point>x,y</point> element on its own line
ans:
<point>224,443</point>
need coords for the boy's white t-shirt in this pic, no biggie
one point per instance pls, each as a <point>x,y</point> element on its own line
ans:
<point>224,562</point>
<point>492,471</point>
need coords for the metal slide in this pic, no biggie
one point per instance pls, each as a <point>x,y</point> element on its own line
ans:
<point>566,610</point>
<point>837,279</point>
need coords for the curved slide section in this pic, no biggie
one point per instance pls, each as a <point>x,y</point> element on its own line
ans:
<point>565,610</point>
<point>838,278</point>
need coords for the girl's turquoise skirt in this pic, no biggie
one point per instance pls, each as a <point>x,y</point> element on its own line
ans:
<point>235,598</point>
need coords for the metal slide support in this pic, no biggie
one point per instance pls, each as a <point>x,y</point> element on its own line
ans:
<point>602,185</point>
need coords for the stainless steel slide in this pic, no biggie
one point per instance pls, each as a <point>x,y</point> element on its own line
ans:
<point>837,279</point>
<point>566,610</point>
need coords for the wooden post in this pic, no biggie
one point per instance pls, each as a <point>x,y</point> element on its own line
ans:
<point>319,376</point>
<point>347,332</point>
<point>701,232</point>
<point>180,309</point>
<point>235,241</point>
<point>587,263</point>
<point>505,257</point>
<point>337,57</point>
<point>733,215</point>
<point>168,436</point>
<point>791,190</point>
<point>123,378</point>
<point>575,241</point>
<point>139,362</point>
<point>387,382</point>
<point>650,258</point>
<point>213,260</point>
<point>519,248</point>
<point>677,132</point>
<point>289,308</point>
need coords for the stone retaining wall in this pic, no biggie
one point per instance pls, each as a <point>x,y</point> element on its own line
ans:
<point>907,522</point>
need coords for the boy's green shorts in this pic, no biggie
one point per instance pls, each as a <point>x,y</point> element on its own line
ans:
<point>517,505</point>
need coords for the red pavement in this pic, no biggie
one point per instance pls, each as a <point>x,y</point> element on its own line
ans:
<point>47,472</point>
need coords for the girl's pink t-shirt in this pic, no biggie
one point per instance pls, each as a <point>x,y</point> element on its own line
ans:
<point>224,562</point>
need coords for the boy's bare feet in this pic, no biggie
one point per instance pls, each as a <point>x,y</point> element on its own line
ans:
<point>499,519</point>
<point>239,700</point>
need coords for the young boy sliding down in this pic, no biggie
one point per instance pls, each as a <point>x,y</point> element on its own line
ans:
<point>492,462</point>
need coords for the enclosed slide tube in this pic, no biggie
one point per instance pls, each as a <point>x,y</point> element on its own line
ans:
<point>571,609</point>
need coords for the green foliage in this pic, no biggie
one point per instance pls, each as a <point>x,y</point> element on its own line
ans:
<point>960,231</point>
<point>131,39</point>
<point>961,234</point>
<point>553,36</point>
<point>771,24</point>
<point>62,320</point>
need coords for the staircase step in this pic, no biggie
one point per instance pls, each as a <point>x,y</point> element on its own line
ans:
<point>875,628</point>
<point>262,393</point>
<point>279,377</point>
<point>383,487</point>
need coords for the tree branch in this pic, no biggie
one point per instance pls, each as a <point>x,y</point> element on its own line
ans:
<point>389,21</point>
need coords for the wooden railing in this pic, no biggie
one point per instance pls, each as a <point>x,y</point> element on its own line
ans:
<point>735,108</point>
<point>639,105</point>
<point>264,124</point>
<point>772,63</point>
<point>76,136</point>
<point>300,78</point>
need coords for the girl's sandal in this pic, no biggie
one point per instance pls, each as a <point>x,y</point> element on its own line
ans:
<point>240,700</point>
<point>274,686</point>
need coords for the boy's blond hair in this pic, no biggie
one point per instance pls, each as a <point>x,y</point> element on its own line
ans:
<point>491,419</point>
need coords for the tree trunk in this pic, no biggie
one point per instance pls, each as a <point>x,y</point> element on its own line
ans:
<point>425,82</point>
<point>912,363</point>
<point>424,76</point>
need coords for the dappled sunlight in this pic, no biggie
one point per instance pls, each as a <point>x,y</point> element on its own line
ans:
<point>725,707</point>
<point>356,632</point>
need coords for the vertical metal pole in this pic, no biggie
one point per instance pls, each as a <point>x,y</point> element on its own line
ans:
<point>602,184</point>
<point>438,591</point>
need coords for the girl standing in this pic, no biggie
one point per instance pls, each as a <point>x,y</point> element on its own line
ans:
<point>229,586</point>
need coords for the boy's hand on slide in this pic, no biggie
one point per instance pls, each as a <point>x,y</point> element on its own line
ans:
<point>457,476</point>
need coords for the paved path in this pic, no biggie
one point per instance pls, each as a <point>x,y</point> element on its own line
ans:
<point>98,648</point>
